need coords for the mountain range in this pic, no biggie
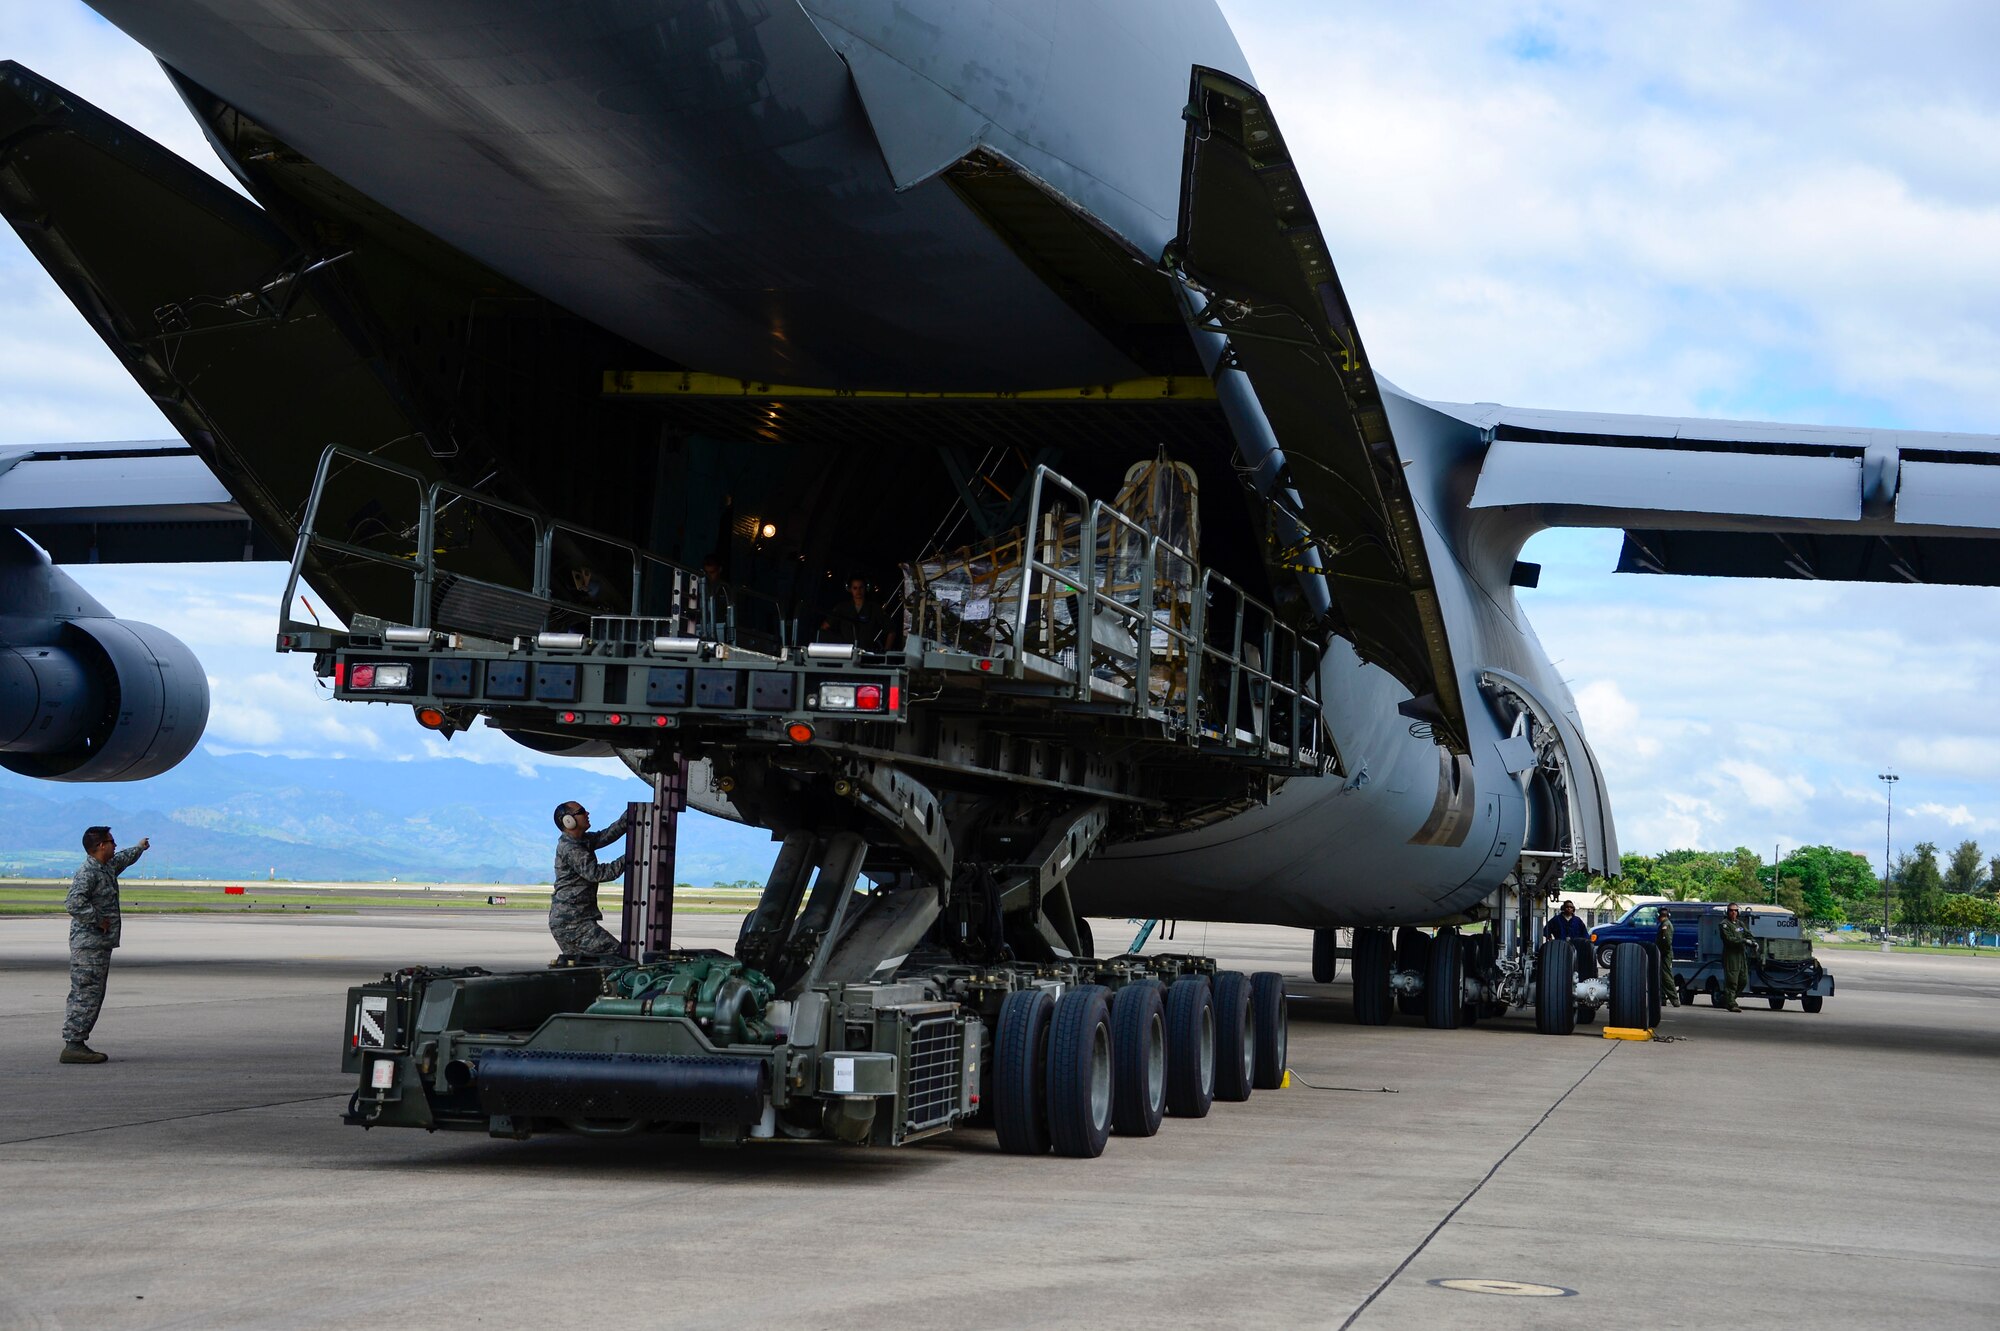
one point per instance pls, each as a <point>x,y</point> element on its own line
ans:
<point>257,817</point>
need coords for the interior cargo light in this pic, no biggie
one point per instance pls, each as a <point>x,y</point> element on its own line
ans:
<point>836,697</point>
<point>867,697</point>
<point>799,733</point>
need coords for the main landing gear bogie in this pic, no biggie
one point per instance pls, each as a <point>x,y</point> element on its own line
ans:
<point>1069,1070</point>
<point>1452,979</point>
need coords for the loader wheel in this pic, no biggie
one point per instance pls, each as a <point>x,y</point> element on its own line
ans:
<point>1444,981</point>
<point>1555,995</point>
<point>1020,1072</point>
<point>1629,990</point>
<point>1274,1035</point>
<point>1326,946</point>
<point>1080,1078</point>
<point>1235,1037</point>
<point>1190,1048</point>
<point>1813,1002</point>
<point>1138,1059</point>
<point>1413,953</point>
<point>1777,1002</point>
<point>1371,977</point>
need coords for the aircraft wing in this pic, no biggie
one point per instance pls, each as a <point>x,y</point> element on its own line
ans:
<point>147,501</point>
<point>1248,238</point>
<point>1749,499</point>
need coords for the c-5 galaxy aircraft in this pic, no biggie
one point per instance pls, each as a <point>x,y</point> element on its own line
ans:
<point>533,308</point>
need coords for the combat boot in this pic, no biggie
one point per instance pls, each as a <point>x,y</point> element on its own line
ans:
<point>76,1051</point>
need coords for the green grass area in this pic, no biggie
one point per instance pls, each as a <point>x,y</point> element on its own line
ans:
<point>1908,947</point>
<point>47,899</point>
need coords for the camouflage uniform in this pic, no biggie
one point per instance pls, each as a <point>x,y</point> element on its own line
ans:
<point>573,912</point>
<point>1669,987</point>
<point>96,925</point>
<point>1735,960</point>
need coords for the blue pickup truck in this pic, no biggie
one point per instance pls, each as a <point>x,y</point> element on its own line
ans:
<point>1782,965</point>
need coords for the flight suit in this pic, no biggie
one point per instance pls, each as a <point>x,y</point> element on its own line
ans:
<point>573,912</point>
<point>1669,987</point>
<point>96,925</point>
<point>1735,960</point>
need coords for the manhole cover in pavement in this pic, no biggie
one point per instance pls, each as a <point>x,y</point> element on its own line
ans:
<point>1517,1288</point>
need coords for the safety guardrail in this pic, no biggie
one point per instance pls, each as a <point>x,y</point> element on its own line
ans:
<point>458,546</point>
<point>1195,645</point>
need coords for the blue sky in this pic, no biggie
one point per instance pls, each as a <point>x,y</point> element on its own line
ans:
<point>1760,211</point>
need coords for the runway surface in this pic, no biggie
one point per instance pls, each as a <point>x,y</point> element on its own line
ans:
<point>1772,1168</point>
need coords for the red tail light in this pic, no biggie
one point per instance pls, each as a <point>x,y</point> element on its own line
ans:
<point>867,697</point>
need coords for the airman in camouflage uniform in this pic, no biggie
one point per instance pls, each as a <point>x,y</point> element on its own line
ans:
<point>573,912</point>
<point>1669,987</point>
<point>1735,957</point>
<point>96,925</point>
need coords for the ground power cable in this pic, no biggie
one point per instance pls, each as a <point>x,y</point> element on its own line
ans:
<point>1438,1228</point>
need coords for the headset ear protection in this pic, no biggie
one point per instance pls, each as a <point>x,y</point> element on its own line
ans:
<point>569,822</point>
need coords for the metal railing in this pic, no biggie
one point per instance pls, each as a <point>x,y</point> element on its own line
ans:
<point>1268,673</point>
<point>602,577</point>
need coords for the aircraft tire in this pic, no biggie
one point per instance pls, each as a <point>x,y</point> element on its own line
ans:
<point>1274,1028</point>
<point>1628,986</point>
<point>1413,953</point>
<point>1020,1072</point>
<point>1326,959</point>
<point>1777,1002</point>
<point>1190,1048</point>
<point>1813,1002</point>
<point>1081,1077</point>
<point>1138,1059</point>
<point>1371,977</point>
<point>1444,981</point>
<point>1235,1037</point>
<point>1555,1010</point>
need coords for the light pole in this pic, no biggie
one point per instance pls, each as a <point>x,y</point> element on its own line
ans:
<point>1888,780</point>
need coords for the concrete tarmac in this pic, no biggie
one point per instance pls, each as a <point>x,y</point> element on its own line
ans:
<point>1772,1168</point>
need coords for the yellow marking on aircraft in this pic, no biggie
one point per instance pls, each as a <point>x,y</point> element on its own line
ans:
<point>681,383</point>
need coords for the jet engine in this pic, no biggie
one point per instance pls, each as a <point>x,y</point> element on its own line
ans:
<point>85,696</point>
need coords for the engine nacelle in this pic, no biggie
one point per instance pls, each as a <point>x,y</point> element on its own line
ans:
<point>102,700</point>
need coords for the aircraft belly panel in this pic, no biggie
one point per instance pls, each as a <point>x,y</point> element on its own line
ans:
<point>697,178</point>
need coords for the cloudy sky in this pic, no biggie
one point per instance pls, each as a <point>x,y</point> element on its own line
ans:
<point>1763,211</point>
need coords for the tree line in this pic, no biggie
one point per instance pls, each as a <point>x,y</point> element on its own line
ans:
<point>1823,883</point>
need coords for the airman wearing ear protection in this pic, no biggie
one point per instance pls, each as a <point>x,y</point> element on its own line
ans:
<point>573,910</point>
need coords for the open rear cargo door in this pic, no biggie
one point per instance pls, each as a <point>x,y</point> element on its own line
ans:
<point>1249,239</point>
